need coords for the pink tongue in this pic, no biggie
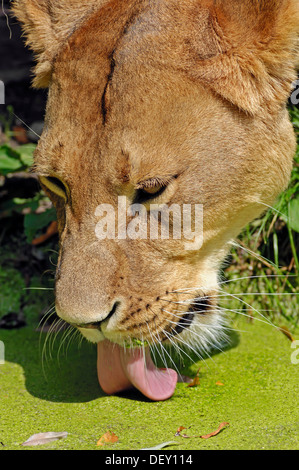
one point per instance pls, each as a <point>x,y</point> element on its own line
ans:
<point>119,369</point>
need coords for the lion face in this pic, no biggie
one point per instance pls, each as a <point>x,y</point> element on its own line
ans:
<point>158,103</point>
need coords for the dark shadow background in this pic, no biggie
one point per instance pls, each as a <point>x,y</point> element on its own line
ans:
<point>15,71</point>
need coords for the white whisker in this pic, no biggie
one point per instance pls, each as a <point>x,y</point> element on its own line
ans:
<point>274,209</point>
<point>28,127</point>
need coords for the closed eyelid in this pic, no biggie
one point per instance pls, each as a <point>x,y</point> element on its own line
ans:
<point>151,189</point>
<point>157,181</point>
<point>143,196</point>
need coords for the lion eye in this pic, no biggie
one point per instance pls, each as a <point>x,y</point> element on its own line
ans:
<point>55,185</point>
<point>146,194</point>
<point>154,190</point>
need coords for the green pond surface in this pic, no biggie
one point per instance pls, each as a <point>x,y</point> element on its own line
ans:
<point>258,398</point>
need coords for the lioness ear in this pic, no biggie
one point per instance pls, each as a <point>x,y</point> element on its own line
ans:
<point>46,25</point>
<point>36,21</point>
<point>255,51</point>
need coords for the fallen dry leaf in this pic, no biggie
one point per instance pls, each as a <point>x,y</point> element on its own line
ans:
<point>207,436</point>
<point>219,383</point>
<point>179,430</point>
<point>195,381</point>
<point>51,230</point>
<point>107,438</point>
<point>44,438</point>
<point>287,333</point>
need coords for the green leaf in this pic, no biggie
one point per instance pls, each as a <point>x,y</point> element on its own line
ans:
<point>9,165</point>
<point>9,151</point>
<point>294,214</point>
<point>26,153</point>
<point>34,222</point>
<point>9,160</point>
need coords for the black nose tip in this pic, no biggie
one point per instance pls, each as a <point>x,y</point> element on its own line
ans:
<point>97,325</point>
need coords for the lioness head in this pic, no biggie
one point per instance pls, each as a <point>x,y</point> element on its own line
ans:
<point>169,102</point>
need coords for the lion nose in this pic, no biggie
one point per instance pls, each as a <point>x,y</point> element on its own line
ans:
<point>96,325</point>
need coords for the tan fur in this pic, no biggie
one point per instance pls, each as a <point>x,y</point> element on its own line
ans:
<point>159,88</point>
